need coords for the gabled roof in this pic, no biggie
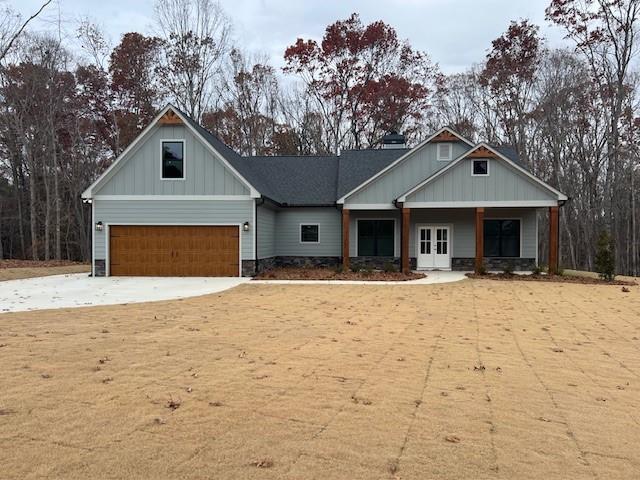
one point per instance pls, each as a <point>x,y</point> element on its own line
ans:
<point>219,149</point>
<point>406,154</point>
<point>561,196</point>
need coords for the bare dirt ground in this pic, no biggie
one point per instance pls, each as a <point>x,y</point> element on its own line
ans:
<point>17,269</point>
<point>471,380</point>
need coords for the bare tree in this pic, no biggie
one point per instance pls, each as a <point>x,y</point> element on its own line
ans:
<point>11,27</point>
<point>195,39</point>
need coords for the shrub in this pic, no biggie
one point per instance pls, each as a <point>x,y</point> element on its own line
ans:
<point>368,270</point>
<point>354,268</point>
<point>605,262</point>
<point>339,268</point>
<point>537,270</point>
<point>389,267</point>
<point>508,268</point>
<point>482,270</point>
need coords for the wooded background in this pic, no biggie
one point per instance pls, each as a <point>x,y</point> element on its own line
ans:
<point>572,113</point>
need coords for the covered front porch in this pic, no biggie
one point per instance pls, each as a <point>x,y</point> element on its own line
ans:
<point>451,238</point>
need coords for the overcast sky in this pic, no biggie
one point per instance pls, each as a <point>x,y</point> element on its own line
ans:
<point>455,33</point>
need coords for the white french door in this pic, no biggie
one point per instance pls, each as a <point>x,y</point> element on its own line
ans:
<point>433,246</point>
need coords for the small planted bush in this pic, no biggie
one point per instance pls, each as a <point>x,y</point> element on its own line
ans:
<point>605,261</point>
<point>354,268</point>
<point>537,270</point>
<point>482,270</point>
<point>508,268</point>
<point>389,267</point>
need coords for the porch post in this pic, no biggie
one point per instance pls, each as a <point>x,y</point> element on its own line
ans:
<point>345,238</point>
<point>404,254</point>
<point>479,238</point>
<point>553,240</point>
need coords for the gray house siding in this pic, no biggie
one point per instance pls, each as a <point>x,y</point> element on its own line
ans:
<point>155,212</point>
<point>419,165</point>
<point>503,183</point>
<point>266,231</point>
<point>287,234</point>
<point>139,173</point>
<point>462,222</point>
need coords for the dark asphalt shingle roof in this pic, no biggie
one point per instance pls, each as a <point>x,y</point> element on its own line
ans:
<point>312,180</point>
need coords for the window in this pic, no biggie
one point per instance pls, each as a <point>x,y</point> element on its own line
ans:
<point>502,238</point>
<point>480,168</point>
<point>173,160</point>
<point>310,233</point>
<point>376,238</point>
<point>445,151</point>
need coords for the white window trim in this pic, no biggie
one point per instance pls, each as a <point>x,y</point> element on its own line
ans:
<point>474,160</point>
<point>300,233</point>
<point>396,240</point>
<point>184,159</point>
<point>506,218</point>
<point>439,155</point>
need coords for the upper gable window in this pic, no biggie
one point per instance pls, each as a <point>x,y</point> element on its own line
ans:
<point>480,168</point>
<point>173,160</point>
<point>445,151</point>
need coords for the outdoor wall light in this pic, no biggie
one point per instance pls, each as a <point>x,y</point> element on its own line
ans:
<point>245,226</point>
<point>99,226</point>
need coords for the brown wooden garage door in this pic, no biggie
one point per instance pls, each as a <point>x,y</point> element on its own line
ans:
<point>174,251</point>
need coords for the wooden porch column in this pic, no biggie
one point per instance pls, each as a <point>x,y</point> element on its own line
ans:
<point>345,238</point>
<point>479,239</point>
<point>404,253</point>
<point>554,232</point>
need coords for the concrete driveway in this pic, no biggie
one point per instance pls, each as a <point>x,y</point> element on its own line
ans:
<point>80,290</point>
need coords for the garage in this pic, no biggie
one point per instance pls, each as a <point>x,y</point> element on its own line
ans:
<point>175,250</point>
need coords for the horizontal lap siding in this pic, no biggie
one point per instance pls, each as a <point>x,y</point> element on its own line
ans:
<point>266,225</point>
<point>287,233</point>
<point>156,212</point>
<point>462,222</point>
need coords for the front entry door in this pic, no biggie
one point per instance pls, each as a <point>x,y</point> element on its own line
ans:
<point>433,247</point>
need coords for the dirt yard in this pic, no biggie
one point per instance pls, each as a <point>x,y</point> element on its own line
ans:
<point>17,269</point>
<point>471,380</point>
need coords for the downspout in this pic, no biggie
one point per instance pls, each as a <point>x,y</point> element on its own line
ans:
<point>255,228</point>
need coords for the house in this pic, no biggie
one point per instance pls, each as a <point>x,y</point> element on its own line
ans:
<point>178,202</point>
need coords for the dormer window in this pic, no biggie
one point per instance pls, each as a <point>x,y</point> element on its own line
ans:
<point>480,168</point>
<point>445,152</point>
<point>172,160</point>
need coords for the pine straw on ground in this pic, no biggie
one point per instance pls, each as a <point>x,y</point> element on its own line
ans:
<point>583,280</point>
<point>474,379</point>
<point>17,269</point>
<point>324,273</point>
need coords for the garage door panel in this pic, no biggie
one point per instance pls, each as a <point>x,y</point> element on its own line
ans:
<point>174,250</point>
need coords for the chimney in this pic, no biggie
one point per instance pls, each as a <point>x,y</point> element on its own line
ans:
<point>393,140</point>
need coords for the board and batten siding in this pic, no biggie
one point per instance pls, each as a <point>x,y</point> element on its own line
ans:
<point>504,183</point>
<point>463,234</point>
<point>139,173</point>
<point>266,225</point>
<point>419,165</point>
<point>287,233</point>
<point>156,212</point>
